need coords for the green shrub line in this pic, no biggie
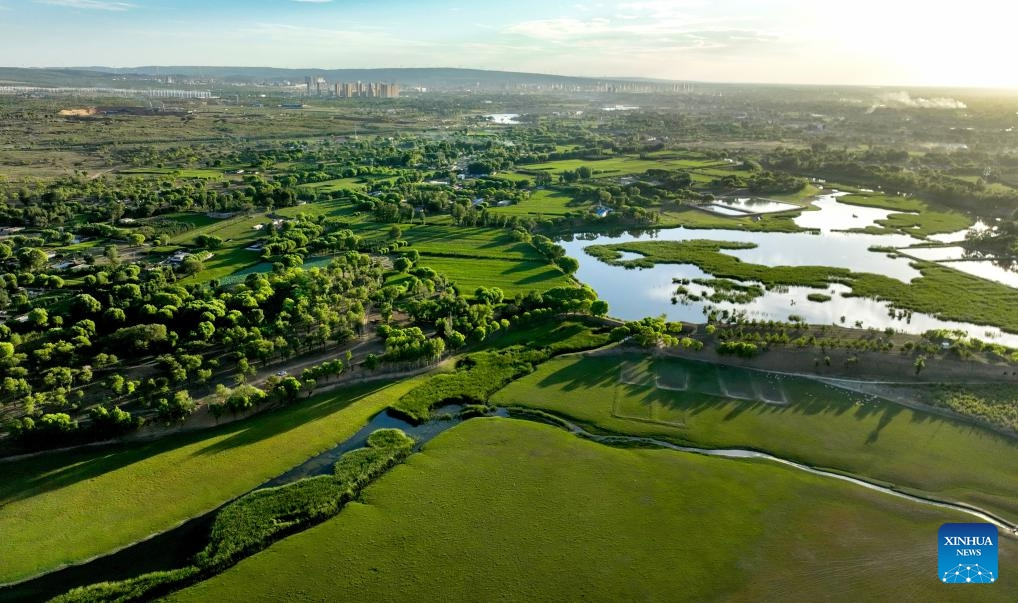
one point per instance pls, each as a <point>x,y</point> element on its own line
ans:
<point>993,404</point>
<point>477,376</point>
<point>481,374</point>
<point>256,520</point>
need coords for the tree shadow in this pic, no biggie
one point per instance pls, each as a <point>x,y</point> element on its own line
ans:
<point>53,471</point>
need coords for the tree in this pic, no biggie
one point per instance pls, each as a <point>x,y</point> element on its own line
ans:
<point>567,264</point>
<point>192,264</point>
<point>136,239</point>
<point>402,264</point>
<point>112,254</point>
<point>38,317</point>
<point>178,408</point>
<point>32,259</point>
<point>599,308</point>
<point>287,390</point>
<point>208,241</point>
<point>490,296</point>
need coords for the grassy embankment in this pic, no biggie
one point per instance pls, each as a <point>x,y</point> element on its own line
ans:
<point>254,521</point>
<point>940,291</point>
<point>692,403</point>
<point>586,521</point>
<point>65,507</point>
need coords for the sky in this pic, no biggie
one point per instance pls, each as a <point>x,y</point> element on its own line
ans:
<point>863,42</point>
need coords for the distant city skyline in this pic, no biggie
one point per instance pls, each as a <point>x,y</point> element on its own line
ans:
<point>891,42</point>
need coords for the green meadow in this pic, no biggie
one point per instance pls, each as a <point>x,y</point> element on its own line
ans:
<point>544,202</point>
<point>329,186</point>
<point>204,174</point>
<point>917,217</point>
<point>507,510</point>
<point>511,276</point>
<point>484,257</point>
<point>693,403</point>
<point>628,164</point>
<point>66,507</point>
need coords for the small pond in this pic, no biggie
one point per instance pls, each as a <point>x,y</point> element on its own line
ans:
<point>503,118</point>
<point>755,205</point>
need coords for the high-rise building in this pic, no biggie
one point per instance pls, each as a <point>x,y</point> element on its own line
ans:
<point>386,90</point>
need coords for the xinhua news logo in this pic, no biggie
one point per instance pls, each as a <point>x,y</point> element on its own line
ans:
<point>967,553</point>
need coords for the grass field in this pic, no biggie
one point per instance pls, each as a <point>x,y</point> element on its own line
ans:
<point>468,242</point>
<point>339,184</point>
<point>484,257</point>
<point>65,507</point>
<point>627,164</point>
<point>568,519</point>
<point>820,425</point>
<point>543,203</point>
<point>511,276</point>
<point>204,174</point>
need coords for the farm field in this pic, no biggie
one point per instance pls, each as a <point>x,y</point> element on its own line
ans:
<point>586,521</point>
<point>820,425</point>
<point>68,506</point>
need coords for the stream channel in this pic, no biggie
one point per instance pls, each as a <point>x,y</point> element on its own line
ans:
<point>175,547</point>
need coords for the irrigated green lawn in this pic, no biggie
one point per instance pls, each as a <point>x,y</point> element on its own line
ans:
<point>65,507</point>
<point>544,203</point>
<point>505,510</point>
<point>484,257</point>
<point>821,426</point>
<point>511,276</point>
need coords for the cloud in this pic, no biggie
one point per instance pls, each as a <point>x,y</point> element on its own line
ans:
<point>637,34</point>
<point>89,4</point>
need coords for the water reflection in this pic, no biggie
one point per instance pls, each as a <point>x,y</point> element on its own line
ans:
<point>834,215</point>
<point>634,294</point>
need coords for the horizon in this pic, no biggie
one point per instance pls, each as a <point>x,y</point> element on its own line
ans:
<point>139,69</point>
<point>788,42</point>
